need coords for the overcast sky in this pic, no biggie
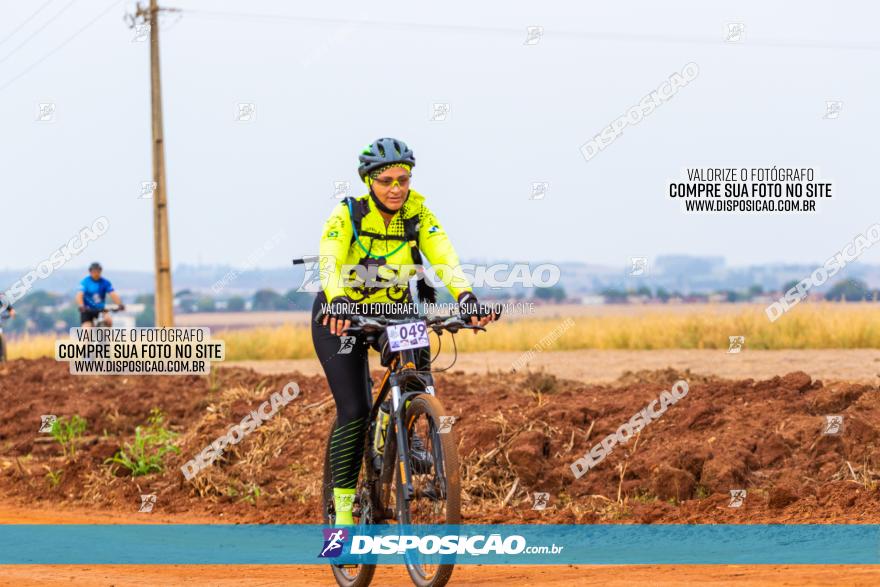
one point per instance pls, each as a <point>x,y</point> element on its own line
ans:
<point>326,79</point>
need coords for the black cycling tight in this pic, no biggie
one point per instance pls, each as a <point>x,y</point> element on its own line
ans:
<point>347,371</point>
<point>347,374</point>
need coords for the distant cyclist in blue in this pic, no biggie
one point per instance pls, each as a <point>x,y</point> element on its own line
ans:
<point>90,298</point>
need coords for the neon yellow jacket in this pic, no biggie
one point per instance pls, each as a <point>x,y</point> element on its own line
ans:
<point>337,250</point>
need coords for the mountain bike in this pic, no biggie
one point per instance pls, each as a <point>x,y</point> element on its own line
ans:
<point>391,489</point>
<point>100,321</point>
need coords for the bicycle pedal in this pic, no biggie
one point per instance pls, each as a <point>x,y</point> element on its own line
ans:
<point>430,491</point>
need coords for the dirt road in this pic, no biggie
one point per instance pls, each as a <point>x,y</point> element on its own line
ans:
<point>296,576</point>
<point>302,576</point>
<point>599,366</point>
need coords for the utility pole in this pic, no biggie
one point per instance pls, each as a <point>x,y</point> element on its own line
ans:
<point>164,296</point>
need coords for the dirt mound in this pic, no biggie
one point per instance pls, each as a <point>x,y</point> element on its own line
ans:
<point>519,434</point>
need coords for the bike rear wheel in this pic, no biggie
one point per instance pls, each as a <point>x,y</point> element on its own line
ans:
<point>437,487</point>
<point>345,575</point>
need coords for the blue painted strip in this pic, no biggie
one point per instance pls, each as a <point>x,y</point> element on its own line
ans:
<point>574,544</point>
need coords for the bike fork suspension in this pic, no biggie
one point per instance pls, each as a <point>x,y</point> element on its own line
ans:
<point>402,443</point>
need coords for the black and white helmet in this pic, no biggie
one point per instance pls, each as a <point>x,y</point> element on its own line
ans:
<point>382,152</point>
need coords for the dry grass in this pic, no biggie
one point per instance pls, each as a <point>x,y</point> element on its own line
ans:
<point>234,475</point>
<point>487,475</point>
<point>31,347</point>
<point>824,325</point>
<point>489,482</point>
<point>807,326</point>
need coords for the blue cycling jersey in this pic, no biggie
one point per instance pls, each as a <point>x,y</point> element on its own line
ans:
<point>95,292</point>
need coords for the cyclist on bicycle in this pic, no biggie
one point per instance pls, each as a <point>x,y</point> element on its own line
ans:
<point>6,306</point>
<point>92,293</point>
<point>383,230</point>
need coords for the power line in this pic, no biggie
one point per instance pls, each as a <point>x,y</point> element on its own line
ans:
<point>561,33</point>
<point>39,30</point>
<point>61,46</point>
<point>27,20</point>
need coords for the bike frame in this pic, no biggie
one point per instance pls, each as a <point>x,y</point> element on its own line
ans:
<point>401,371</point>
<point>373,493</point>
<point>99,321</point>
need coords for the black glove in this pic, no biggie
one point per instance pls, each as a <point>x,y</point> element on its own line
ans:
<point>469,306</point>
<point>121,308</point>
<point>340,308</point>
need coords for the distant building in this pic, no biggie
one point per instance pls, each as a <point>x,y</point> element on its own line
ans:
<point>592,300</point>
<point>687,265</point>
<point>637,299</point>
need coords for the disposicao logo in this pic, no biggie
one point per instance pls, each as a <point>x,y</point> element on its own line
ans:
<point>334,539</point>
<point>432,544</point>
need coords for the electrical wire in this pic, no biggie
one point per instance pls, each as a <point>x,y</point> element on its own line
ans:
<point>39,30</point>
<point>59,47</point>
<point>709,40</point>
<point>27,20</point>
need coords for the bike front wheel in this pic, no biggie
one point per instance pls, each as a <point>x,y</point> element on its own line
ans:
<point>436,482</point>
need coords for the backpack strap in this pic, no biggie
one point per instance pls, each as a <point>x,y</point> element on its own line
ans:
<point>357,209</point>
<point>426,291</point>
<point>355,213</point>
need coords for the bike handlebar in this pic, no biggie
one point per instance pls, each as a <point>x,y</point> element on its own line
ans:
<point>436,323</point>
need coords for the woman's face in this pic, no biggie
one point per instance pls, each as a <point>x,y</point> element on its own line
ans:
<point>392,187</point>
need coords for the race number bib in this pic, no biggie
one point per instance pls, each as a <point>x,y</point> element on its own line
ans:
<point>410,335</point>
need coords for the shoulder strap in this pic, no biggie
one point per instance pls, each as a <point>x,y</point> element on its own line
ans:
<point>411,229</point>
<point>355,213</point>
<point>426,291</point>
<point>357,210</point>
<point>411,235</point>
